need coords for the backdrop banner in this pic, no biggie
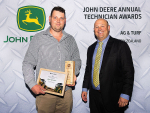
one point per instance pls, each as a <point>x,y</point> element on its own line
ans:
<point>20,20</point>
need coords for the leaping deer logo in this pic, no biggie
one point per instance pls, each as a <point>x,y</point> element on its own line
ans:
<point>30,20</point>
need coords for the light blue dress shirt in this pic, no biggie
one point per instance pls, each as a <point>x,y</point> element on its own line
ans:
<point>93,62</point>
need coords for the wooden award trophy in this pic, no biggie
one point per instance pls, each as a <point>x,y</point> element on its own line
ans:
<point>70,71</point>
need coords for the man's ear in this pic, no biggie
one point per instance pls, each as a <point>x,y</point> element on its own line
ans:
<point>109,28</point>
<point>65,20</point>
<point>49,18</point>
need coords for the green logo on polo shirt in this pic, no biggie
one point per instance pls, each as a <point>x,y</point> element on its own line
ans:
<point>31,18</point>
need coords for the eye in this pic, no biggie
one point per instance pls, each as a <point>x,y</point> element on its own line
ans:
<point>54,17</point>
<point>62,18</point>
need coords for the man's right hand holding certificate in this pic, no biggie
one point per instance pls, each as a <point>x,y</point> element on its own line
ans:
<point>37,89</point>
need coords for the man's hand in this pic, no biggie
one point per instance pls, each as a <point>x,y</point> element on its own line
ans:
<point>84,96</point>
<point>75,78</point>
<point>37,89</point>
<point>122,102</point>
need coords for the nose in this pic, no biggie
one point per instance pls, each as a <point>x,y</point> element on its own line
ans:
<point>99,28</point>
<point>58,19</point>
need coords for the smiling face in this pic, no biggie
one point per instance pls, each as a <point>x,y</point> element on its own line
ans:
<point>57,21</point>
<point>101,29</point>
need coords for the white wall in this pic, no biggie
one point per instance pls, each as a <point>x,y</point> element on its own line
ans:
<point>16,98</point>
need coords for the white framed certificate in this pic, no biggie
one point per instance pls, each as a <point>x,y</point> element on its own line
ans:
<point>53,81</point>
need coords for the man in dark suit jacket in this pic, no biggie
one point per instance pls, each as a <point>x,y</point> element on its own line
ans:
<point>116,73</point>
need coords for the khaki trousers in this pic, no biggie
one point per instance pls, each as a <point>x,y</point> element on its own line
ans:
<point>55,104</point>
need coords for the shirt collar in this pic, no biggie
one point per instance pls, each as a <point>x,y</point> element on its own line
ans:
<point>105,40</point>
<point>46,32</point>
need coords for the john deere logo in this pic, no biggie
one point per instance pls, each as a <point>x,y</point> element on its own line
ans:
<point>31,18</point>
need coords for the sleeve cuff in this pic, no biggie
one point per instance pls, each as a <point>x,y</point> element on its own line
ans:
<point>125,96</point>
<point>84,89</point>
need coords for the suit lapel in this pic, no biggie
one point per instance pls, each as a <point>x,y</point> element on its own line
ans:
<point>107,52</point>
<point>91,52</point>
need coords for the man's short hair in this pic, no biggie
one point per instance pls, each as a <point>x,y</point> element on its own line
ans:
<point>58,8</point>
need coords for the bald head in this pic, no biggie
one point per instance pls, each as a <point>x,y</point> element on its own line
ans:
<point>101,29</point>
<point>101,19</point>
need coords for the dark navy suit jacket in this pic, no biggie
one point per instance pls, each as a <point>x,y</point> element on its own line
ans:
<point>116,74</point>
